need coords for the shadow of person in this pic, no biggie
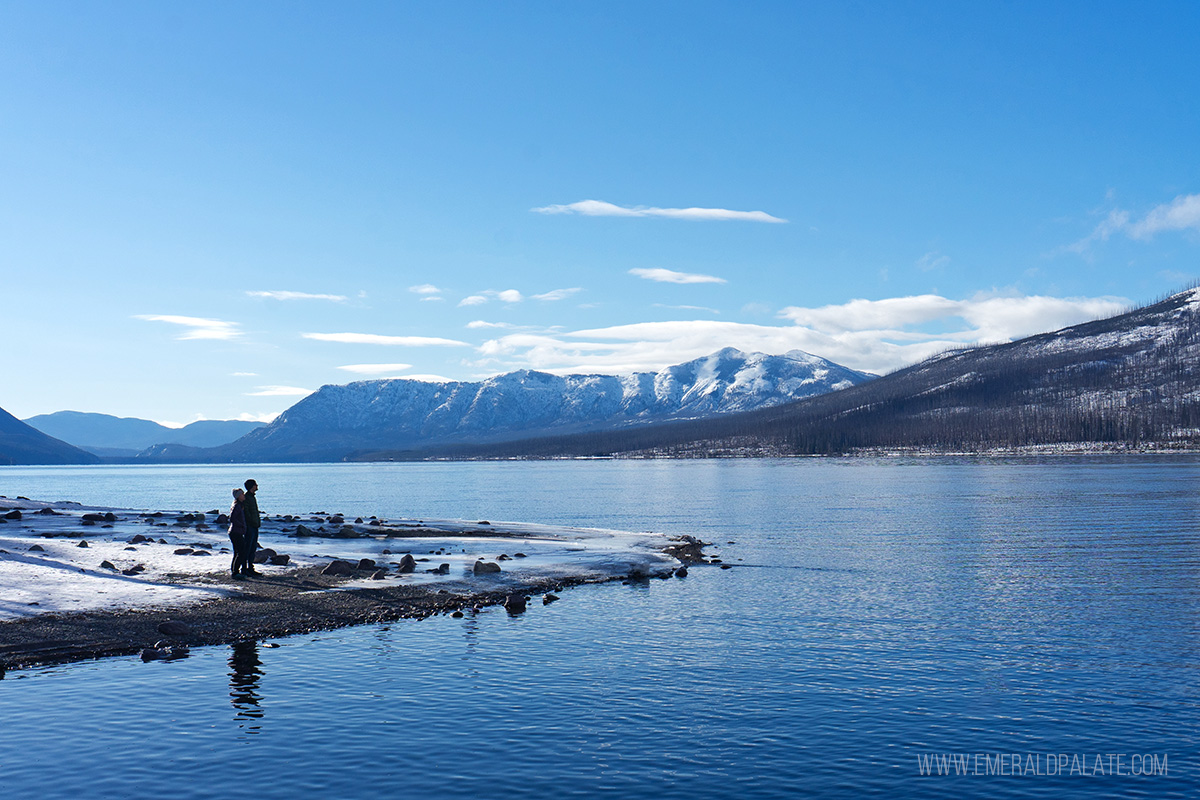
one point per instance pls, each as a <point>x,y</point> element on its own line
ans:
<point>245,669</point>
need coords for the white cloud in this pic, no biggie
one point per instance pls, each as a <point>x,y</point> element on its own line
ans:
<point>556,294</point>
<point>1181,214</point>
<point>243,374</point>
<point>198,327</point>
<point>269,416</point>
<point>931,261</point>
<point>282,295</point>
<point>433,299</point>
<point>599,208</point>
<point>425,288</point>
<point>374,369</point>
<point>479,323</point>
<point>688,308</point>
<point>875,336</point>
<point>505,296</point>
<point>375,338</point>
<point>671,276</point>
<point>279,391</point>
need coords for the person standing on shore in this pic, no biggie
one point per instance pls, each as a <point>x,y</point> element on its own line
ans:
<point>253,523</point>
<point>237,532</point>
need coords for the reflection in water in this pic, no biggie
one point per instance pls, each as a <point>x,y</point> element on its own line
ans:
<point>244,671</point>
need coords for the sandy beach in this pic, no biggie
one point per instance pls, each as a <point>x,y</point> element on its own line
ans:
<point>83,582</point>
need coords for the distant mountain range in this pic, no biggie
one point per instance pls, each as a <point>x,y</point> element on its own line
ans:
<point>111,436</point>
<point>1131,381</point>
<point>399,414</point>
<point>22,444</point>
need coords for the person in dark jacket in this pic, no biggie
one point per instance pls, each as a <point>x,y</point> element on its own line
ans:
<point>253,522</point>
<point>237,532</point>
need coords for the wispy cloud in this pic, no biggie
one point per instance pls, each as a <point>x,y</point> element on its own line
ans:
<point>425,288</point>
<point>671,276</point>
<point>246,416</point>
<point>243,374</point>
<point>375,338</point>
<point>197,327</point>
<point>688,308</point>
<point>556,294</point>
<point>599,208</point>
<point>931,261</point>
<point>479,323</point>
<point>875,336</point>
<point>988,317</point>
<point>280,391</point>
<point>374,369</point>
<point>505,296</point>
<point>283,295</point>
<point>1181,214</point>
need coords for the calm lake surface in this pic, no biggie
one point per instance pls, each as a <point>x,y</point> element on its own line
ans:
<point>881,611</point>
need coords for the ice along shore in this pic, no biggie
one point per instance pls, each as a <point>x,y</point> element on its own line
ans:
<point>82,582</point>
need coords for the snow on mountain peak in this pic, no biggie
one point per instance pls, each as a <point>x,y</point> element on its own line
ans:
<point>397,413</point>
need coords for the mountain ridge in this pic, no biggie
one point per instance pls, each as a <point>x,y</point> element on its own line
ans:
<point>108,435</point>
<point>1130,381</point>
<point>340,419</point>
<point>24,444</point>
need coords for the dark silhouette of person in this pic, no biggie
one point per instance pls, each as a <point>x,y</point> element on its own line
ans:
<point>245,669</point>
<point>237,532</point>
<point>253,523</point>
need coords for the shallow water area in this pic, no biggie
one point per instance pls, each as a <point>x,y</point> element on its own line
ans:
<point>877,611</point>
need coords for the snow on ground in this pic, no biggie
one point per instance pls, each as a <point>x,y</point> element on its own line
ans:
<point>185,557</point>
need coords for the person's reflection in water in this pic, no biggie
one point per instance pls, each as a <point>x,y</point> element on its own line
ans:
<point>244,672</point>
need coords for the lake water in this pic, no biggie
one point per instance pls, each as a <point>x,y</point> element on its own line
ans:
<point>880,612</point>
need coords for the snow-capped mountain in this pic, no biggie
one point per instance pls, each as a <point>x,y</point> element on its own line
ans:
<point>1128,382</point>
<point>398,414</point>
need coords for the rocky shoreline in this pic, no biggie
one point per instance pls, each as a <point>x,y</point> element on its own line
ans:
<point>295,596</point>
<point>267,607</point>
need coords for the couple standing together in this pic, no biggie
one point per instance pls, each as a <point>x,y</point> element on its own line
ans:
<point>244,521</point>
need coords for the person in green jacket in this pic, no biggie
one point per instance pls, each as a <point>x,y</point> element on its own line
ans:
<point>253,522</point>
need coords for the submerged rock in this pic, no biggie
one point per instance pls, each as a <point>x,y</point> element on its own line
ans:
<point>407,564</point>
<point>515,603</point>
<point>485,568</point>
<point>681,572</point>
<point>14,514</point>
<point>304,530</point>
<point>37,548</point>
<point>549,598</point>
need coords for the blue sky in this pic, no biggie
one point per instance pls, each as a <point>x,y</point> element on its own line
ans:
<point>208,210</point>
